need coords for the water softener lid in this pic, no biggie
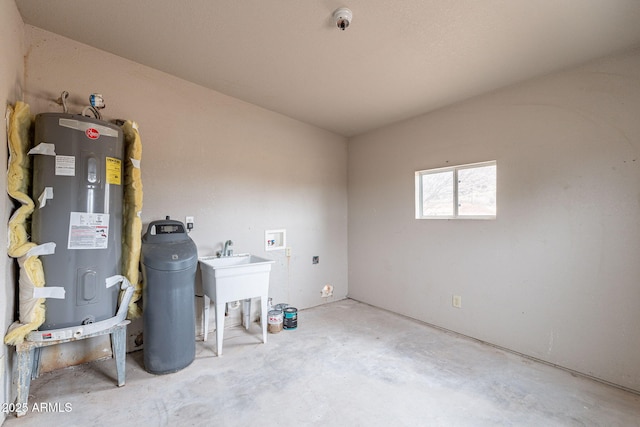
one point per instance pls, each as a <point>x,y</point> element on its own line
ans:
<point>166,246</point>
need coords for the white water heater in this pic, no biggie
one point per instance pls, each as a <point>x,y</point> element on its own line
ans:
<point>78,190</point>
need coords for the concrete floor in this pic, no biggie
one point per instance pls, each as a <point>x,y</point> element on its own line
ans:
<point>347,364</point>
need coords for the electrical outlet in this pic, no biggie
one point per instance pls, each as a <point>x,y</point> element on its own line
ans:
<point>457,301</point>
<point>287,251</point>
<point>189,222</point>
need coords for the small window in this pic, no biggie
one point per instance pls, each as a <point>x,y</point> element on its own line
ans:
<point>466,191</point>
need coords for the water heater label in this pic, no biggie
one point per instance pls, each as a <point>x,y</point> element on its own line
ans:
<point>88,230</point>
<point>114,171</point>
<point>66,165</point>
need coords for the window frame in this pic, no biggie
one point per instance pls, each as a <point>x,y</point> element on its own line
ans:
<point>419,191</point>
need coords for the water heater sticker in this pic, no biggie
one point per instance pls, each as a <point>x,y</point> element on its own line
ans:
<point>66,165</point>
<point>114,171</point>
<point>88,230</point>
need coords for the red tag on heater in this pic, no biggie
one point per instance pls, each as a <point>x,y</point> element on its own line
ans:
<point>92,133</point>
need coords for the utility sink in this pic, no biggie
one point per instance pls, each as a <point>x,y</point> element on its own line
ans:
<point>233,278</point>
<point>233,260</point>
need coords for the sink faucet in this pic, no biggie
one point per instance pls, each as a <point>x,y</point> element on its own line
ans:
<point>227,251</point>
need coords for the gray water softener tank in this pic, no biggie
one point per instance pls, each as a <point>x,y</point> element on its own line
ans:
<point>169,261</point>
<point>77,186</point>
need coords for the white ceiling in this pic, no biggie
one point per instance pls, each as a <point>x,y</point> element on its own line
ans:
<point>399,58</point>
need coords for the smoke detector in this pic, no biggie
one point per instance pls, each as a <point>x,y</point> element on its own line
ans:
<point>343,18</point>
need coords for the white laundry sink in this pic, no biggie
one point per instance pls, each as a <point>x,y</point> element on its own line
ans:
<point>233,278</point>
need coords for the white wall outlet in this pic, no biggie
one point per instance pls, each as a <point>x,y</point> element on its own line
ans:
<point>188,221</point>
<point>457,301</point>
<point>287,251</point>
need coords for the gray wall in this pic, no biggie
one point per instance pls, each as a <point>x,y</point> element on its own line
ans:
<point>555,276</point>
<point>237,168</point>
<point>11,84</point>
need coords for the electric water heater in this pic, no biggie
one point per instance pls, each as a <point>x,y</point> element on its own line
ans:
<point>77,189</point>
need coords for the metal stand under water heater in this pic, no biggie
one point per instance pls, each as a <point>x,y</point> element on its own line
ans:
<point>77,186</point>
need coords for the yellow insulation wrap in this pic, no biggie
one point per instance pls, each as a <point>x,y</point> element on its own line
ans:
<point>31,309</point>
<point>18,181</point>
<point>132,221</point>
<point>19,178</point>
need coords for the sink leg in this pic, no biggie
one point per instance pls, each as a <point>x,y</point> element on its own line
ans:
<point>263,317</point>
<point>219,326</point>
<point>246,312</point>
<point>205,317</point>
